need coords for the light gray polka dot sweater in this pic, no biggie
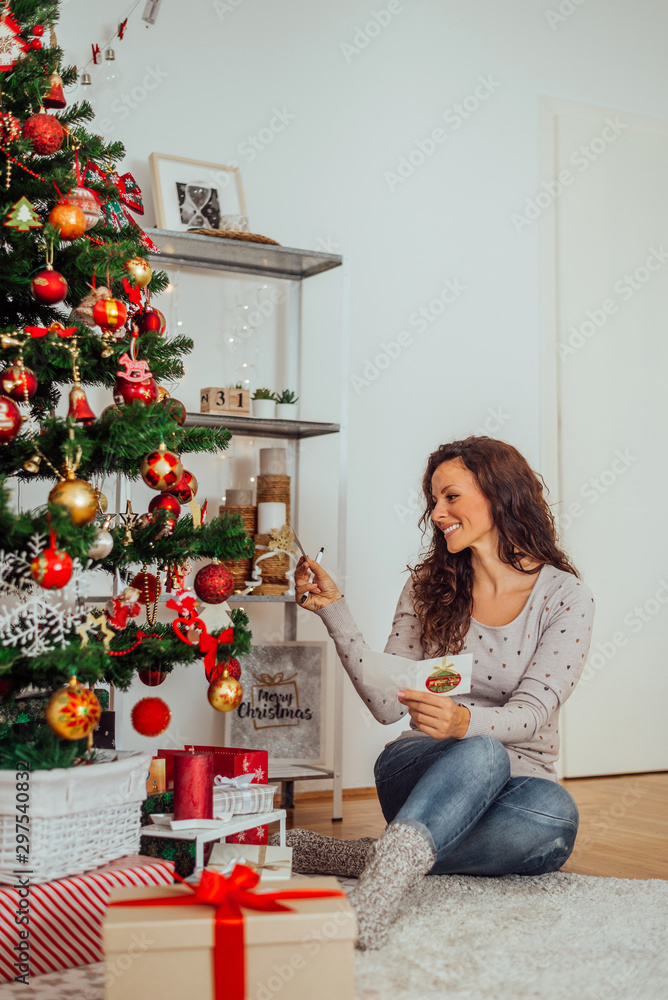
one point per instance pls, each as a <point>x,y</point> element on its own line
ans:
<point>522,672</point>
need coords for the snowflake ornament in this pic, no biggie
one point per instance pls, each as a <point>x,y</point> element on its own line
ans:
<point>34,620</point>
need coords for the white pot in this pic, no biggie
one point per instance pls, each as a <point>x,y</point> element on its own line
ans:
<point>264,408</point>
<point>286,411</point>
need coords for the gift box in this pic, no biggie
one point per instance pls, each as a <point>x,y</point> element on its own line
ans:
<point>257,835</point>
<point>157,802</point>
<point>270,863</point>
<point>224,941</point>
<point>241,795</point>
<point>180,853</point>
<point>65,928</point>
<point>230,762</point>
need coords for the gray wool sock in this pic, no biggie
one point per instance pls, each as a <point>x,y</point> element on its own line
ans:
<point>315,854</point>
<point>398,861</point>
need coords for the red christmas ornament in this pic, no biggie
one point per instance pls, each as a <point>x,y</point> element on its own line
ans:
<point>52,568</point>
<point>85,199</point>
<point>176,410</point>
<point>161,469</point>
<point>37,30</point>
<point>127,392</point>
<point>110,314</point>
<point>10,420</point>
<point>151,716</point>
<point>151,321</point>
<point>186,488</point>
<point>36,44</point>
<point>165,501</point>
<point>147,585</point>
<point>18,382</point>
<point>45,131</point>
<point>214,583</point>
<point>69,220</point>
<point>49,287</point>
<point>232,666</point>
<point>151,677</point>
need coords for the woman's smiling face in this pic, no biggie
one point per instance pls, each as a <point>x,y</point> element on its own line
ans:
<point>461,511</point>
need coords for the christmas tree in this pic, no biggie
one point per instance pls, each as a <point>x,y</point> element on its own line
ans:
<point>78,311</point>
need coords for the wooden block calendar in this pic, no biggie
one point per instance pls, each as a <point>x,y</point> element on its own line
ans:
<point>226,400</point>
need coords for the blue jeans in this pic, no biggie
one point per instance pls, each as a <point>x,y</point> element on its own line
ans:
<point>478,820</point>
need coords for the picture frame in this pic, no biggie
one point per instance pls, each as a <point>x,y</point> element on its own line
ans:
<point>196,194</point>
<point>285,679</point>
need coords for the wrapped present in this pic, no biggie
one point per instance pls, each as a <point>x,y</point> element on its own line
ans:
<point>157,802</point>
<point>221,940</point>
<point>241,795</point>
<point>181,853</point>
<point>65,928</point>
<point>270,863</point>
<point>230,762</point>
<point>256,835</point>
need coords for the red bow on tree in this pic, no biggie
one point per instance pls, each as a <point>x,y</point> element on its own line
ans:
<point>41,331</point>
<point>115,209</point>
<point>208,644</point>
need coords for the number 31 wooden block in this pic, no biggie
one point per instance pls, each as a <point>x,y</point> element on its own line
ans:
<point>214,400</point>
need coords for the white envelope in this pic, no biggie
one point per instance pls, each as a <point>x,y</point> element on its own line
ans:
<point>271,863</point>
<point>445,675</point>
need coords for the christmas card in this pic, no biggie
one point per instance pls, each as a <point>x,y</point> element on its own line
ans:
<point>445,675</point>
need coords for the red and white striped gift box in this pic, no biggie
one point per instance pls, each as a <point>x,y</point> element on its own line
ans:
<point>66,916</point>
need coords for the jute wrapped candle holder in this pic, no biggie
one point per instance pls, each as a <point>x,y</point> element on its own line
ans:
<point>274,489</point>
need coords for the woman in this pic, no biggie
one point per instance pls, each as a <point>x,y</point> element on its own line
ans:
<point>471,788</point>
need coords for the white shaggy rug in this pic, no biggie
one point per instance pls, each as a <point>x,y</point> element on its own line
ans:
<point>548,937</point>
<point>544,937</point>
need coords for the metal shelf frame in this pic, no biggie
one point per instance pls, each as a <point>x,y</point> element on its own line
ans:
<point>294,266</point>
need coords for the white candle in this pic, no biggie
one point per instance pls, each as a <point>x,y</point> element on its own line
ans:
<point>238,498</point>
<point>270,516</point>
<point>273,461</point>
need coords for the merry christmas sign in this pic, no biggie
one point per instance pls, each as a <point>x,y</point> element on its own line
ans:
<point>281,708</point>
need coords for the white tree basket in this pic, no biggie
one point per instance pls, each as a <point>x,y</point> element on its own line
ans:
<point>80,817</point>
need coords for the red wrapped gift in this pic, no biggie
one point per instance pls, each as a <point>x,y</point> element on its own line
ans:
<point>258,835</point>
<point>229,762</point>
<point>65,928</point>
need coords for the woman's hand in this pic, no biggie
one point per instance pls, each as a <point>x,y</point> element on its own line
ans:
<point>435,715</point>
<point>321,592</point>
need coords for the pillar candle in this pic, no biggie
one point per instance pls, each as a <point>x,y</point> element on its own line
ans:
<point>238,498</point>
<point>157,776</point>
<point>270,515</point>
<point>193,785</point>
<point>273,461</point>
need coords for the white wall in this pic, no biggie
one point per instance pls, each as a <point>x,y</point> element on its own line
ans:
<point>219,70</point>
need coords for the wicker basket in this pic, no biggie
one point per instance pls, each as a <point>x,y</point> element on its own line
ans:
<point>234,234</point>
<point>80,817</point>
<point>270,589</point>
<point>275,567</point>
<point>275,489</point>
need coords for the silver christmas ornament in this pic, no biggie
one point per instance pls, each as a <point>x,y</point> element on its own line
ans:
<point>102,545</point>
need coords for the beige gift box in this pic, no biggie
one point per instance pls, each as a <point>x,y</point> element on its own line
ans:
<point>167,951</point>
<point>271,863</point>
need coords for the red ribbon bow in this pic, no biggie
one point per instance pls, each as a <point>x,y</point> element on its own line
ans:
<point>228,894</point>
<point>128,196</point>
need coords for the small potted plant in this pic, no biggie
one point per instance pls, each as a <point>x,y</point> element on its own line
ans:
<point>264,403</point>
<point>286,405</point>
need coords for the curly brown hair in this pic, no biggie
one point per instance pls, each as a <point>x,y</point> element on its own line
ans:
<point>443,581</point>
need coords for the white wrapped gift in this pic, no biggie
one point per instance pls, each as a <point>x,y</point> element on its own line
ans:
<point>242,797</point>
<point>271,863</point>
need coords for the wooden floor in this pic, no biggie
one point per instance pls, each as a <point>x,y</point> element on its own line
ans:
<point>623,823</point>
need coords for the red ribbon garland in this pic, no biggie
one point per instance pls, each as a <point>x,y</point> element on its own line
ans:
<point>228,894</point>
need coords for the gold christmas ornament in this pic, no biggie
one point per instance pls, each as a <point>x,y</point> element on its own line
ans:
<point>225,693</point>
<point>161,469</point>
<point>139,269</point>
<point>163,394</point>
<point>76,496</point>
<point>102,502</point>
<point>73,711</point>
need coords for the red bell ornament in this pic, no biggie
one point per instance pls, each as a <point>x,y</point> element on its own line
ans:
<point>85,199</point>
<point>10,420</point>
<point>69,220</point>
<point>52,568</point>
<point>49,287</point>
<point>110,314</point>
<point>151,321</point>
<point>79,408</point>
<point>18,382</point>
<point>55,98</point>
<point>161,469</point>
<point>165,501</point>
<point>214,583</point>
<point>45,132</point>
